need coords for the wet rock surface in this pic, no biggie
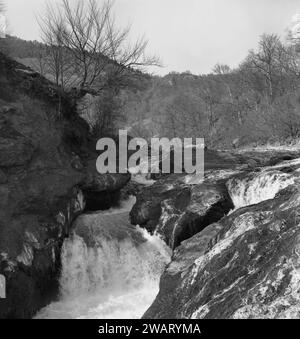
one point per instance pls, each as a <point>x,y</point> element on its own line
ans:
<point>244,266</point>
<point>177,210</point>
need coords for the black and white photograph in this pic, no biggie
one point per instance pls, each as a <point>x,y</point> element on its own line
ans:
<point>149,163</point>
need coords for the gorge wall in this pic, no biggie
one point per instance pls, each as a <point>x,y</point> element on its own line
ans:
<point>47,177</point>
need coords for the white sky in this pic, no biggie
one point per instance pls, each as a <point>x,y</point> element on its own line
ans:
<point>187,34</point>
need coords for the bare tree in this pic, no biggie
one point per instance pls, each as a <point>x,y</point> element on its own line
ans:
<point>88,50</point>
<point>269,63</point>
<point>221,69</point>
<point>58,58</point>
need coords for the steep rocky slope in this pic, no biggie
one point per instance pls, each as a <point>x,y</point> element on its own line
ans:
<point>47,171</point>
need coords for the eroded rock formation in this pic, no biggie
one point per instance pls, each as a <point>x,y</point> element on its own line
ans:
<point>46,168</point>
<point>244,266</point>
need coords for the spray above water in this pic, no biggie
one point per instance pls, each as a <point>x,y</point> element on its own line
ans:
<point>257,187</point>
<point>114,279</point>
<point>111,270</point>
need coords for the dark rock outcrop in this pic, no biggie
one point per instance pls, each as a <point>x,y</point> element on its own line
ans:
<point>45,167</point>
<point>147,210</point>
<point>178,211</point>
<point>15,151</point>
<point>245,266</point>
<point>102,191</point>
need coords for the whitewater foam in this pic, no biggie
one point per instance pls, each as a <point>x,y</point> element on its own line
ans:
<point>255,188</point>
<point>115,279</point>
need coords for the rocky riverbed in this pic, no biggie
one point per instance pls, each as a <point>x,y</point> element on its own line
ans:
<point>233,236</point>
<point>246,264</point>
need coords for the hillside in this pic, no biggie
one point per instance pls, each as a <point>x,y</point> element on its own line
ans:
<point>229,108</point>
<point>187,231</point>
<point>223,108</point>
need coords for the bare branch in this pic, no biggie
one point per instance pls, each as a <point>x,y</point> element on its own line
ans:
<point>88,47</point>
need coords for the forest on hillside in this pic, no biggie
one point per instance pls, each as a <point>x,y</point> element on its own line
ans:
<point>258,102</point>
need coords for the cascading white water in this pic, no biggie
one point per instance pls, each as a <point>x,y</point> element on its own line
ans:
<point>257,187</point>
<point>116,278</point>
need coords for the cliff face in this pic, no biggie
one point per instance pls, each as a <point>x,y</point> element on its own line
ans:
<point>47,167</point>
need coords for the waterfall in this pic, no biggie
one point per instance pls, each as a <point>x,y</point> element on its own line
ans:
<point>109,271</point>
<point>257,187</point>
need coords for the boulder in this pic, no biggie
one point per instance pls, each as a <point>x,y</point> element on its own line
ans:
<point>193,210</point>
<point>110,182</point>
<point>102,191</point>
<point>245,266</point>
<point>147,210</point>
<point>178,211</point>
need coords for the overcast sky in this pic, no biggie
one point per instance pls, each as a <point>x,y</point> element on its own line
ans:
<point>187,34</point>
